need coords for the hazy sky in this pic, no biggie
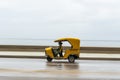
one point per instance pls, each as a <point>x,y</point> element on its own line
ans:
<point>51,19</point>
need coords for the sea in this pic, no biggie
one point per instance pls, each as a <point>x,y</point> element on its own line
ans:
<point>50,42</point>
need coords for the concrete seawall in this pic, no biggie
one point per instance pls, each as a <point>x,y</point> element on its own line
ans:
<point>87,53</point>
<point>110,50</point>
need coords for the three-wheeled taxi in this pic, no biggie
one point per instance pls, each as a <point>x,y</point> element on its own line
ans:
<point>71,53</point>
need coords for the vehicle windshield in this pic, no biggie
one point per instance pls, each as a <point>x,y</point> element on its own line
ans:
<point>66,45</point>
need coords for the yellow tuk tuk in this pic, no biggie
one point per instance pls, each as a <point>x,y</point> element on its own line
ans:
<point>71,54</point>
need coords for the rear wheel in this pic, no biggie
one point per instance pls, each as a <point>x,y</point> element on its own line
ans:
<point>71,59</point>
<point>49,59</point>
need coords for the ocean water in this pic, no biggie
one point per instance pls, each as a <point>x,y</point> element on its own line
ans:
<point>50,42</point>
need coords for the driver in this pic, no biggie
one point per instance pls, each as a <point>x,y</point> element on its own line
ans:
<point>60,49</point>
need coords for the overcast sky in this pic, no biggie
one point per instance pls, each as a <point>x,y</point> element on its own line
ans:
<point>51,19</point>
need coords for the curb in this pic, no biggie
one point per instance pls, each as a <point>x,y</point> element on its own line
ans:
<point>44,57</point>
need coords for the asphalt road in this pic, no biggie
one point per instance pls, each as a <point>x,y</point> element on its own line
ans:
<point>40,69</point>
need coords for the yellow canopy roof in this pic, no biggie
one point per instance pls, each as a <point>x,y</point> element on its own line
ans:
<point>75,42</point>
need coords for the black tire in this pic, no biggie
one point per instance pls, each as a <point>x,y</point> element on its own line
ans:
<point>71,59</point>
<point>49,59</point>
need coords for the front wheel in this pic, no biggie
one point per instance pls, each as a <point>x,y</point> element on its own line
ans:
<point>71,59</point>
<point>49,59</point>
